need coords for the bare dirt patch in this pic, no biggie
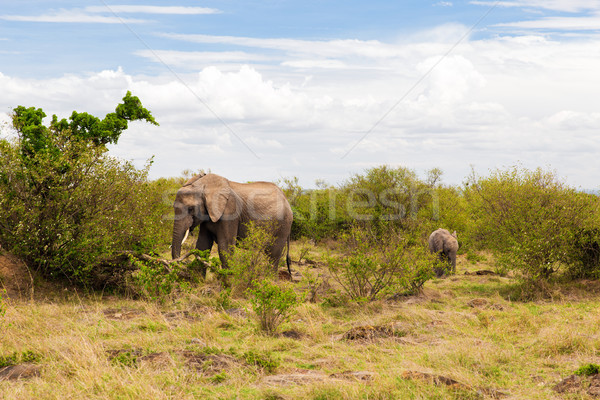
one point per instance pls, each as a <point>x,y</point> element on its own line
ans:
<point>122,314</point>
<point>136,357</point>
<point>307,377</point>
<point>373,332</point>
<point>362,376</point>
<point>236,313</point>
<point>575,384</point>
<point>180,315</point>
<point>292,334</point>
<point>209,364</point>
<point>440,380</point>
<point>481,272</point>
<point>484,304</point>
<point>15,277</point>
<point>21,371</point>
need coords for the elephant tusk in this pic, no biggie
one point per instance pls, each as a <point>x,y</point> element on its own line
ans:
<point>185,236</point>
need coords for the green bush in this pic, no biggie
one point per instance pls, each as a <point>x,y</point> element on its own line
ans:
<point>125,359</point>
<point>15,358</point>
<point>263,360</point>
<point>248,261</point>
<point>531,220</point>
<point>380,197</point>
<point>272,304</point>
<point>384,196</point>
<point>447,208</point>
<point>372,266</point>
<point>318,213</point>
<point>155,280</point>
<point>2,306</point>
<point>65,205</point>
<point>588,370</point>
<point>585,259</point>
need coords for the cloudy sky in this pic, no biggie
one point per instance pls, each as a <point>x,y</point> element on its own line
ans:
<point>320,89</point>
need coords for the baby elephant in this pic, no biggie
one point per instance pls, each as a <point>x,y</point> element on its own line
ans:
<point>446,244</point>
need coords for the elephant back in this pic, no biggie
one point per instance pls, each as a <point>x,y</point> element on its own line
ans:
<point>194,179</point>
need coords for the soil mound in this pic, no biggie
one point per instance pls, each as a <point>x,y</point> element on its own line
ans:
<point>371,332</point>
<point>21,371</point>
<point>15,277</point>
<point>579,385</point>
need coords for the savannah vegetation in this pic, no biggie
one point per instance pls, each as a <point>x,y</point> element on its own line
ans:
<point>105,314</point>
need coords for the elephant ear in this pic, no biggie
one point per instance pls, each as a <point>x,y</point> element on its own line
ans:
<point>216,195</point>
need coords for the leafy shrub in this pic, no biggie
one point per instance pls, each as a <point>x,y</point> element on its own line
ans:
<point>65,205</point>
<point>373,266</point>
<point>263,360</point>
<point>585,260</point>
<point>475,258</point>
<point>155,279</point>
<point>313,283</point>
<point>219,378</point>
<point>531,220</point>
<point>588,370</point>
<point>2,306</point>
<point>379,197</point>
<point>272,304</point>
<point>248,261</point>
<point>447,208</point>
<point>126,359</point>
<point>320,213</point>
<point>15,358</point>
<point>385,197</point>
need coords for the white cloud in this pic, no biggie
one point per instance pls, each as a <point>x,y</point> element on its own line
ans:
<point>200,59</point>
<point>489,103</point>
<point>451,80</point>
<point>316,64</point>
<point>72,16</point>
<point>328,48</point>
<point>555,5</point>
<point>558,23</point>
<point>151,9</point>
<point>93,14</point>
<point>588,21</point>
<point>574,121</point>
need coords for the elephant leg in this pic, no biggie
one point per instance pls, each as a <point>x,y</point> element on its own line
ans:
<point>445,264</point>
<point>276,248</point>
<point>226,238</point>
<point>275,251</point>
<point>205,242</point>
<point>439,270</point>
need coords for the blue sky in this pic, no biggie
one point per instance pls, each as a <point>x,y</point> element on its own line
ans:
<point>320,89</point>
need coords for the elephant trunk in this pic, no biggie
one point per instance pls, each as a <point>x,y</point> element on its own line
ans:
<point>180,229</point>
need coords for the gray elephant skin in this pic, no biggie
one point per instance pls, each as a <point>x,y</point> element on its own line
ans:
<point>446,244</point>
<point>221,209</point>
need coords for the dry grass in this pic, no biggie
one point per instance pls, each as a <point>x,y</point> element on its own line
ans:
<point>461,338</point>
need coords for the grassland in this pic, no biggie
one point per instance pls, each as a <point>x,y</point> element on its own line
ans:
<point>463,337</point>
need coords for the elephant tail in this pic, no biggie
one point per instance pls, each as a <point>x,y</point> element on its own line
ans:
<point>288,259</point>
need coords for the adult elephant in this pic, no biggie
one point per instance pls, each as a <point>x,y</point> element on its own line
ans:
<point>222,209</point>
<point>446,244</point>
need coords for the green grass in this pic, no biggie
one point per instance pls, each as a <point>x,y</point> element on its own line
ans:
<point>518,348</point>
